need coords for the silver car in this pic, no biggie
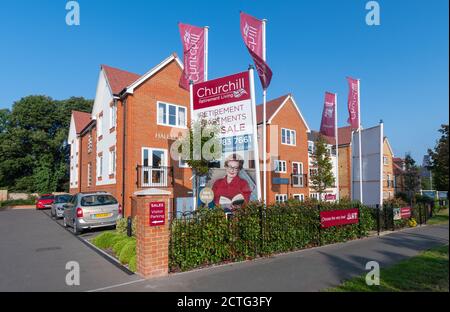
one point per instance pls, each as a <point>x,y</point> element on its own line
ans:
<point>57,208</point>
<point>90,211</point>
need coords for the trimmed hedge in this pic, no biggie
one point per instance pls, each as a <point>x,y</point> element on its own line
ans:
<point>208,237</point>
<point>124,247</point>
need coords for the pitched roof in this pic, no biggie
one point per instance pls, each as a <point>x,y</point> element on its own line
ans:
<point>315,134</point>
<point>345,135</point>
<point>119,79</point>
<point>271,107</point>
<point>81,120</point>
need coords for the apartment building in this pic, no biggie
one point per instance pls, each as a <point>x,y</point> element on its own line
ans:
<point>399,178</point>
<point>123,147</point>
<point>345,162</point>
<point>287,146</point>
<point>388,170</point>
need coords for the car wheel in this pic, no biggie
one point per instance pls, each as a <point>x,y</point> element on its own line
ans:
<point>75,229</point>
<point>53,214</point>
<point>64,222</point>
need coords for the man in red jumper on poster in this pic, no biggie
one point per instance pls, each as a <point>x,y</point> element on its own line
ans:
<point>231,191</point>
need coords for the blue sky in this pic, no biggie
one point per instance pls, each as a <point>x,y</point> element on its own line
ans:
<point>311,47</point>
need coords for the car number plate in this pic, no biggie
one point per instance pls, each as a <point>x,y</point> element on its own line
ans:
<point>103,215</point>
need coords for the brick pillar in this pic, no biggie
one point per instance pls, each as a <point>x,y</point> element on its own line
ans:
<point>152,242</point>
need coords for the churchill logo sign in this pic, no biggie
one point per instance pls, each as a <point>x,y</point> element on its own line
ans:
<point>339,217</point>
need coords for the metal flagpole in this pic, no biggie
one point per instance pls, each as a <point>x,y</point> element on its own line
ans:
<point>264,119</point>
<point>359,146</point>
<point>206,53</point>
<point>337,146</point>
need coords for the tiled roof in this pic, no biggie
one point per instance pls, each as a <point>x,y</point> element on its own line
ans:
<point>315,134</point>
<point>345,135</point>
<point>81,120</point>
<point>119,79</point>
<point>271,107</point>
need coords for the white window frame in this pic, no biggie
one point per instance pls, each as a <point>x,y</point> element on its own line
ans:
<point>99,166</point>
<point>164,177</point>
<point>277,162</point>
<point>113,115</point>
<point>300,173</point>
<point>112,161</point>
<point>314,196</point>
<point>311,147</point>
<point>281,198</point>
<point>385,160</point>
<point>292,135</point>
<point>99,126</point>
<point>301,197</point>
<point>167,124</point>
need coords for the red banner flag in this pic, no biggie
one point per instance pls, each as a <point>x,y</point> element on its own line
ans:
<point>328,125</point>
<point>194,46</point>
<point>252,33</point>
<point>353,102</point>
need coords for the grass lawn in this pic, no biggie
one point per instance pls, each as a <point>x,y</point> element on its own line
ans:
<point>426,272</point>
<point>439,218</point>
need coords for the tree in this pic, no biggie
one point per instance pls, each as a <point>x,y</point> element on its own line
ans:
<point>323,178</point>
<point>411,177</point>
<point>439,159</point>
<point>199,148</point>
<point>34,156</point>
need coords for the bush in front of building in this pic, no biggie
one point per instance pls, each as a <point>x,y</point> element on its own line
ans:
<point>210,237</point>
<point>122,246</point>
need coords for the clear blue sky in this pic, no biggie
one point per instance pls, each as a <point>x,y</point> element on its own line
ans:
<point>311,47</point>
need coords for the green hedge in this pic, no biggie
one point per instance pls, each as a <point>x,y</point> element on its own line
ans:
<point>208,237</point>
<point>124,247</point>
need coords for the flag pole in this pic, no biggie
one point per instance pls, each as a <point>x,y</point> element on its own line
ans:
<point>206,28</point>
<point>359,146</point>
<point>337,147</point>
<point>264,119</point>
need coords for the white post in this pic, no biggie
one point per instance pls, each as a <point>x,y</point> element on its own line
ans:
<point>359,146</point>
<point>264,120</point>
<point>255,141</point>
<point>337,147</point>
<point>206,52</point>
<point>194,178</point>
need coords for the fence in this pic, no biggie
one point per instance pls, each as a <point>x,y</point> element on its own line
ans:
<point>208,237</point>
<point>384,217</point>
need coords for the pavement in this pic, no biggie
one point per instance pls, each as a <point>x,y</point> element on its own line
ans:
<point>35,250</point>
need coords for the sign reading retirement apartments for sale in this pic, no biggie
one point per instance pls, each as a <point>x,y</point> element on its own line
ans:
<point>229,103</point>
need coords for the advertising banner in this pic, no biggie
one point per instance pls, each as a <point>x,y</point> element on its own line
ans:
<point>194,48</point>
<point>229,104</point>
<point>328,126</point>
<point>402,213</point>
<point>353,102</point>
<point>339,217</point>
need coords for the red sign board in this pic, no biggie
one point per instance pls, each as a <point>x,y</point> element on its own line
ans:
<point>339,217</point>
<point>221,91</point>
<point>157,213</point>
<point>405,212</point>
<point>330,197</point>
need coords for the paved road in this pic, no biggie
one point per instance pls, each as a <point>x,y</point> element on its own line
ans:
<point>34,250</point>
<point>307,270</point>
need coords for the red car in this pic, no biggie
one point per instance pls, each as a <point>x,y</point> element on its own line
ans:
<point>45,201</point>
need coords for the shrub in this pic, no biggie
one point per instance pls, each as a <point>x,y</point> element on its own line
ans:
<point>132,264</point>
<point>127,251</point>
<point>105,240</point>
<point>121,226</point>
<point>120,243</point>
<point>208,237</point>
<point>412,222</point>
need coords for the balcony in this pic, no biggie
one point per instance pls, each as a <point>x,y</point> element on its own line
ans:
<point>154,176</point>
<point>299,180</point>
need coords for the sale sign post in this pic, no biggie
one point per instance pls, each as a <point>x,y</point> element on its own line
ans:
<point>228,103</point>
<point>157,214</point>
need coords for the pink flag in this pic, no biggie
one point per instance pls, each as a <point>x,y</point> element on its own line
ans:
<point>252,33</point>
<point>193,39</point>
<point>328,125</point>
<point>353,105</point>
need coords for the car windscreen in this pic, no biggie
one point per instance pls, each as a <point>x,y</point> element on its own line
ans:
<point>47,197</point>
<point>97,200</point>
<point>63,199</point>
